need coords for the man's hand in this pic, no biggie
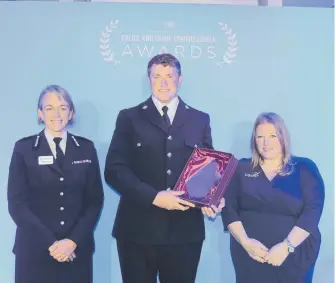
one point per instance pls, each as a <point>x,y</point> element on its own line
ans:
<point>213,210</point>
<point>62,250</point>
<point>169,200</point>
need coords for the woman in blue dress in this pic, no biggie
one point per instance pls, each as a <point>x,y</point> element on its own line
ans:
<point>273,206</point>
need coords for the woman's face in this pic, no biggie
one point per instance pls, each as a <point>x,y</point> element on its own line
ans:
<point>267,142</point>
<point>55,113</point>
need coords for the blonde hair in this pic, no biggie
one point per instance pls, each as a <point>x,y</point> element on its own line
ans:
<point>283,137</point>
<point>62,93</point>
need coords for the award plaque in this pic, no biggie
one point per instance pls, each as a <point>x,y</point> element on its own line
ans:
<point>206,176</point>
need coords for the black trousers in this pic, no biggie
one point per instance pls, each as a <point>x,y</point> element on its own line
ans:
<point>172,263</point>
<point>48,270</point>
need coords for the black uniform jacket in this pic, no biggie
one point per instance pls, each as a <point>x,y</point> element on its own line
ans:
<point>146,157</point>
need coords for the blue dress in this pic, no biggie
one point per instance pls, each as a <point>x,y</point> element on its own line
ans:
<point>268,211</point>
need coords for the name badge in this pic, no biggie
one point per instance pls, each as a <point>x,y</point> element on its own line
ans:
<point>45,160</point>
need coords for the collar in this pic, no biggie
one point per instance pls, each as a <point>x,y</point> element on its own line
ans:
<point>50,137</point>
<point>172,105</point>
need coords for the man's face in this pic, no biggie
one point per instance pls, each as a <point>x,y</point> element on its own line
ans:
<point>164,82</point>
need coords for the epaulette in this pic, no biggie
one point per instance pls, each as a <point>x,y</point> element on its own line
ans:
<point>78,139</point>
<point>33,138</point>
<point>143,106</point>
<point>36,141</point>
<point>27,138</point>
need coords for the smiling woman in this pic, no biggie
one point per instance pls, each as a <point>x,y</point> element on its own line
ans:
<point>48,171</point>
<point>55,109</point>
<point>273,207</point>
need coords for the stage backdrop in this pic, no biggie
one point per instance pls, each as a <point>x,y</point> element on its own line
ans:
<point>236,61</point>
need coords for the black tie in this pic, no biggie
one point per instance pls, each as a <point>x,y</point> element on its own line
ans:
<point>59,152</point>
<point>165,116</point>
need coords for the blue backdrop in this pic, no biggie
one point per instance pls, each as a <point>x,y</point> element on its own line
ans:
<point>237,62</point>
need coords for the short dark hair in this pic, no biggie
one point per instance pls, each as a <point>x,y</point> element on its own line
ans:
<point>164,59</point>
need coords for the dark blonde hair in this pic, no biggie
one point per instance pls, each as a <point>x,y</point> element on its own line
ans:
<point>61,93</point>
<point>283,137</point>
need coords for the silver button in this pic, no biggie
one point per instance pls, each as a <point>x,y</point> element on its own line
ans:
<point>195,145</point>
<point>61,193</point>
<point>61,179</point>
<point>62,223</point>
<point>138,144</point>
<point>169,137</point>
<point>168,189</point>
<point>169,154</point>
<point>168,172</point>
<point>61,208</point>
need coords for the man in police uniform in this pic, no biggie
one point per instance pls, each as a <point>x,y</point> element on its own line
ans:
<point>55,197</point>
<point>156,231</point>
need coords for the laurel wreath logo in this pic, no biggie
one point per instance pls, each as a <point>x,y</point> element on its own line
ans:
<point>229,56</point>
<point>105,48</point>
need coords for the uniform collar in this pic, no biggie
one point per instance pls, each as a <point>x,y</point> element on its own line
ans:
<point>50,137</point>
<point>173,104</point>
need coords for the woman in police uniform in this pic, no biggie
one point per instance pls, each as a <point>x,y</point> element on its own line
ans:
<point>55,196</point>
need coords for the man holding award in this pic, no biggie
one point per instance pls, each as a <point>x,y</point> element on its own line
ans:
<point>158,232</point>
